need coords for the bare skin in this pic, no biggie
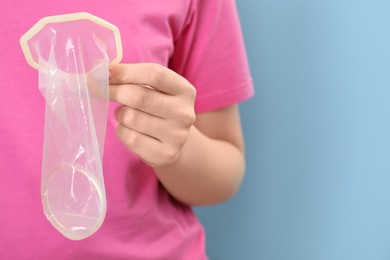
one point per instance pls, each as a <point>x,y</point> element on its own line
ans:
<point>198,158</point>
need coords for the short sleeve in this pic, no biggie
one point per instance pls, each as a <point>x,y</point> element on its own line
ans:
<point>210,53</point>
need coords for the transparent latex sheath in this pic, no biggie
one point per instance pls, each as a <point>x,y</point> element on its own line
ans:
<point>76,94</point>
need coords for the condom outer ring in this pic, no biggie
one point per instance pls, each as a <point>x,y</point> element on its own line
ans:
<point>99,189</point>
<point>68,18</point>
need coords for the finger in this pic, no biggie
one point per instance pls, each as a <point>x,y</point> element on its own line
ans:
<point>142,98</point>
<point>148,148</point>
<point>142,122</point>
<point>154,75</point>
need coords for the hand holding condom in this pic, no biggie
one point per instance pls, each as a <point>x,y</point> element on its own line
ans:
<point>157,112</point>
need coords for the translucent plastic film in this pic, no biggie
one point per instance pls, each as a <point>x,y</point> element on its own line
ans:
<point>72,53</point>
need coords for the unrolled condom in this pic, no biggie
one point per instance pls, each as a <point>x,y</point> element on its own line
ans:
<point>72,53</point>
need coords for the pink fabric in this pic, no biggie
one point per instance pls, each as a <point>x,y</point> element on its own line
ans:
<point>199,39</point>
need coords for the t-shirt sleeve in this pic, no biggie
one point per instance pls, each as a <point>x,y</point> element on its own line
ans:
<point>210,53</point>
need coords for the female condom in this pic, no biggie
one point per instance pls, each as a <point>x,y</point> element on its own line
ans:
<point>72,53</point>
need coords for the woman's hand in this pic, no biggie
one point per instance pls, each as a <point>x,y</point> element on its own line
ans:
<point>157,112</point>
<point>198,163</point>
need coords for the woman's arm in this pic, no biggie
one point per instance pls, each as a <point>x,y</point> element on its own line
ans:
<point>211,164</point>
<point>200,161</point>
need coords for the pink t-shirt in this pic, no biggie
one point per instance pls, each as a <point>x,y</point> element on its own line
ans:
<point>201,40</point>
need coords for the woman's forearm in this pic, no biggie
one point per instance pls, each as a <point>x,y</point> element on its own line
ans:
<point>208,171</point>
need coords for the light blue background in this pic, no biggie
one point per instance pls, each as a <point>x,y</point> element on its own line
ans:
<point>317,135</point>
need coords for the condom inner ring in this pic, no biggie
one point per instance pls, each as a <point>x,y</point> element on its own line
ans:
<point>74,201</point>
